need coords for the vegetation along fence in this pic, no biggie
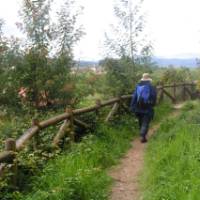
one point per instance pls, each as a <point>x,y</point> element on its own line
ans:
<point>175,92</point>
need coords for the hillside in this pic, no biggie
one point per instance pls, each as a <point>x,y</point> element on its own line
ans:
<point>161,62</point>
<point>186,62</point>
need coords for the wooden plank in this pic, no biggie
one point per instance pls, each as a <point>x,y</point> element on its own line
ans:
<point>177,85</point>
<point>2,169</point>
<point>189,92</point>
<point>54,120</point>
<point>61,117</point>
<point>61,133</point>
<point>125,97</point>
<point>71,125</point>
<point>174,90</point>
<point>7,156</point>
<point>169,95</point>
<point>20,143</point>
<point>161,96</point>
<point>28,134</point>
<point>81,123</point>
<point>96,107</point>
<point>10,145</point>
<point>184,93</point>
<point>112,112</point>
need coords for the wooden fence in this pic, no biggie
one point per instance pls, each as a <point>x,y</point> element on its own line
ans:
<point>173,92</point>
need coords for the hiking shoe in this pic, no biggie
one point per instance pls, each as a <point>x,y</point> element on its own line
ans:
<point>143,140</point>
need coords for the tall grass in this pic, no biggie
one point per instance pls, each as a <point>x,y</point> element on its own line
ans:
<point>162,110</point>
<point>172,159</point>
<point>81,173</point>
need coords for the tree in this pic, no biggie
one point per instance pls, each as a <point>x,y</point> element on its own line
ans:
<point>126,37</point>
<point>126,41</point>
<point>176,75</point>
<point>67,33</point>
<point>36,22</point>
<point>3,45</point>
<point>46,70</point>
<point>119,76</point>
<point>36,26</point>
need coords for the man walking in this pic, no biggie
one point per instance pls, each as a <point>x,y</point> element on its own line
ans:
<point>142,103</point>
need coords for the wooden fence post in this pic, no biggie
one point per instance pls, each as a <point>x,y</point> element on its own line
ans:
<point>71,125</point>
<point>161,95</point>
<point>174,90</point>
<point>58,139</point>
<point>112,112</point>
<point>184,92</point>
<point>98,105</point>
<point>193,91</point>
<point>169,95</point>
<point>10,145</point>
<point>67,128</point>
<point>35,122</point>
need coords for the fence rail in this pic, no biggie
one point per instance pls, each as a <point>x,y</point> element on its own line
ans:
<point>69,120</point>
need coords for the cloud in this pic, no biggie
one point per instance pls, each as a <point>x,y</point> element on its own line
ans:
<point>173,25</point>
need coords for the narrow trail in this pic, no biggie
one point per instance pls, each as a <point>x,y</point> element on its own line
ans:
<point>126,174</point>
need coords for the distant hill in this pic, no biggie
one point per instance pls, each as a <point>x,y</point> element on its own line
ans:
<point>87,63</point>
<point>162,62</point>
<point>177,62</point>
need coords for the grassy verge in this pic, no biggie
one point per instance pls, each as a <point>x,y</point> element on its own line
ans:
<point>162,111</point>
<point>172,159</point>
<point>81,172</point>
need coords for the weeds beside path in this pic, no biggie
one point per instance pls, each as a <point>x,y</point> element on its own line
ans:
<point>126,174</point>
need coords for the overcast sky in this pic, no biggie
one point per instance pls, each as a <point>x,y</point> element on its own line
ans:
<point>172,25</point>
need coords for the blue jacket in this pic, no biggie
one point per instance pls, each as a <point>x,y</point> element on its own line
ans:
<point>153,97</point>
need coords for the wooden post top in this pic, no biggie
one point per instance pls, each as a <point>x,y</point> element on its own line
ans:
<point>69,110</point>
<point>98,102</point>
<point>10,144</point>
<point>35,122</point>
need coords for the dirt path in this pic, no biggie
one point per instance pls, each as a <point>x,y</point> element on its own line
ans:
<point>126,174</point>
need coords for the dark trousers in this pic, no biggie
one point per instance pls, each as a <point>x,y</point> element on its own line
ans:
<point>144,121</point>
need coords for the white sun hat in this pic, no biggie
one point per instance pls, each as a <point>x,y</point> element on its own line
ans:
<point>146,77</point>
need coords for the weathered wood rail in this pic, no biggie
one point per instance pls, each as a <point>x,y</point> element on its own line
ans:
<point>9,155</point>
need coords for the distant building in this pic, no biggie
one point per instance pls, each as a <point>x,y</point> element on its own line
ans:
<point>95,69</point>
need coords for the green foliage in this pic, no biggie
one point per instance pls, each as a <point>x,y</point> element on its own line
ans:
<point>81,174</point>
<point>40,78</point>
<point>176,75</point>
<point>88,87</point>
<point>162,111</point>
<point>10,58</point>
<point>36,22</point>
<point>45,76</point>
<point>172,158</point>
<point>94,154</point>
<point>126,35</point>
<point>189,105</point>
<point>122,74</point>
<point>118,76</point>
<point>68,32</point>
<point>128,43</point>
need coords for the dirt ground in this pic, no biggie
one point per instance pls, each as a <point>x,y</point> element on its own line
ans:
<point>126,174</point>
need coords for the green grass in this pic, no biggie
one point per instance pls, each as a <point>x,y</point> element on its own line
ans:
<point>81,173</point>
<point>162,111</point>
<point>172,161</point>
